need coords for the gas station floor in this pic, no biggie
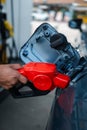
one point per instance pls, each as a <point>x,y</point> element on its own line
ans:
<point>26,113</point>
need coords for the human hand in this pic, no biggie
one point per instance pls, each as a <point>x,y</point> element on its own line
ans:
<point>9,75</point>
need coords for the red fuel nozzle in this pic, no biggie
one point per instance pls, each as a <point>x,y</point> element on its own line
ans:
<point>44,76</point>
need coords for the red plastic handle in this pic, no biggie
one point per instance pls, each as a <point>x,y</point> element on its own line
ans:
<point>44,76</point>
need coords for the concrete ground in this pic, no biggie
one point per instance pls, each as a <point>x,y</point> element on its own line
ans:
<point>25,114</point>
